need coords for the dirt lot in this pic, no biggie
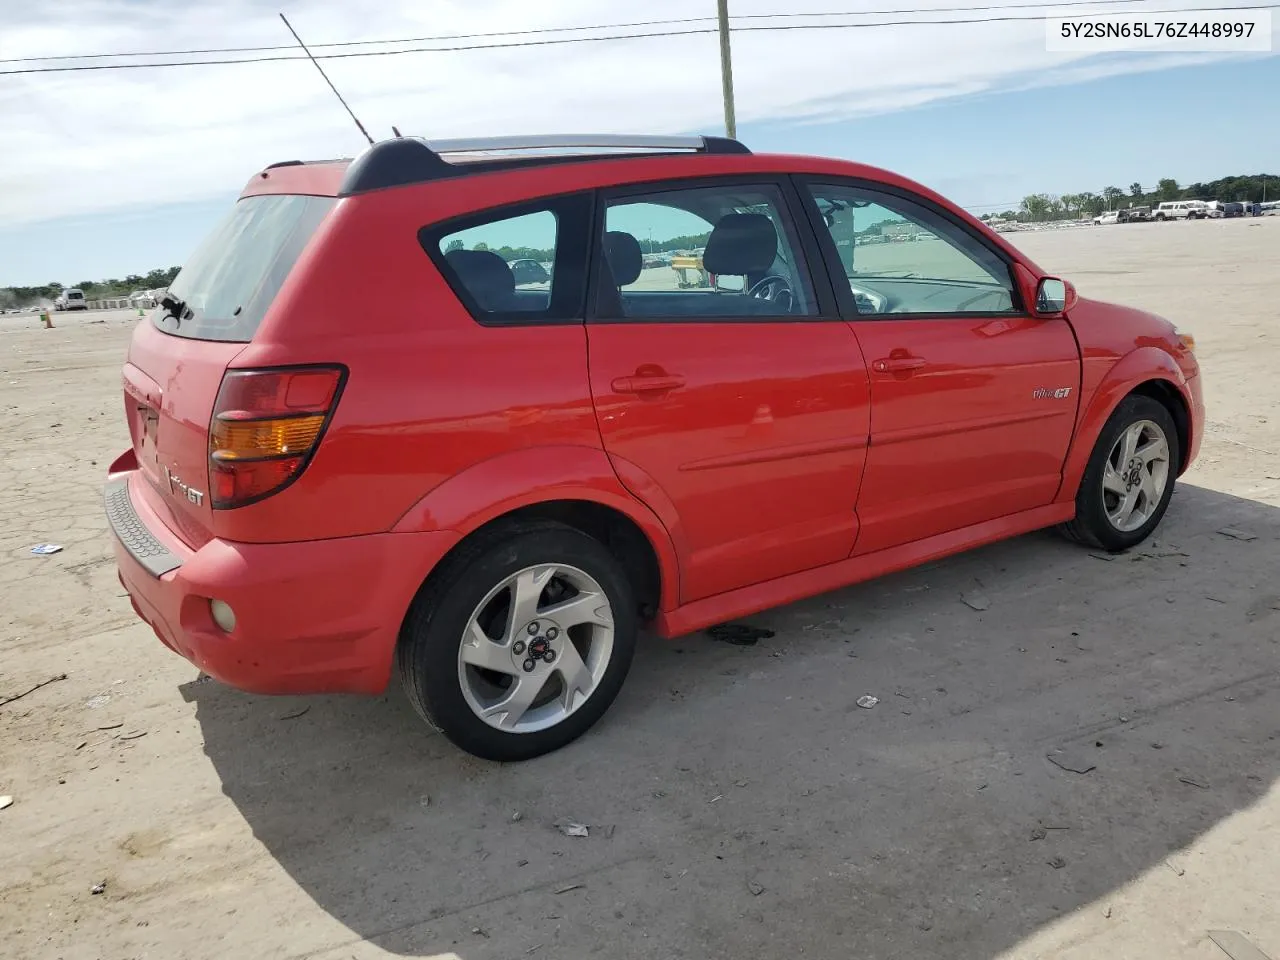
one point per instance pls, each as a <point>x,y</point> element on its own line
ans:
<point>740,804</point>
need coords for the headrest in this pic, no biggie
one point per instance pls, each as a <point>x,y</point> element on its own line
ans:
<point>486,276</point>
<point>741,243</point>
<point>622,250</point>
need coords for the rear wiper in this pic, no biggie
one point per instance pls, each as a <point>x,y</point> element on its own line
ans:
<point>174,307</point>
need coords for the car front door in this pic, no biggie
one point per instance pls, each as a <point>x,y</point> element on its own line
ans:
<point>731,396</point>
<point>973,400</point>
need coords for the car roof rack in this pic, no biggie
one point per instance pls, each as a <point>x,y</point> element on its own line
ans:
<point>408,160</point>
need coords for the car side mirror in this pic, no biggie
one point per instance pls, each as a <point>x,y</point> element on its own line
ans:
<point>1054,297</point>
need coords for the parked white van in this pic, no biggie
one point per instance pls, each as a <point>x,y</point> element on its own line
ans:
<point>1182,210</point>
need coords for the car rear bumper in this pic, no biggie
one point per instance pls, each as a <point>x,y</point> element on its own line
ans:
<point>320,616</point>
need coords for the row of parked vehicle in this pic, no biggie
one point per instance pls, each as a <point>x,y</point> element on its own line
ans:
<point>1185,210</point>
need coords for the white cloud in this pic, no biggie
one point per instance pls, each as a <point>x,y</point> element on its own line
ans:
<point>74,143</point>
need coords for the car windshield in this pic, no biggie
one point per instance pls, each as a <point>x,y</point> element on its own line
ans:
<point>225,289</point>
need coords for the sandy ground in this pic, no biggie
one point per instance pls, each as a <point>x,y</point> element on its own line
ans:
<point>740,804</point>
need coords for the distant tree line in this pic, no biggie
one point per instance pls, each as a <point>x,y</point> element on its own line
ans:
<point>1039,207</point>
<point>11,297</point>
<point>690,242</point>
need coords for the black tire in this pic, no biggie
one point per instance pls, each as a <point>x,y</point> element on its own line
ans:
<point>1091,525</point>
<point>427,655</point>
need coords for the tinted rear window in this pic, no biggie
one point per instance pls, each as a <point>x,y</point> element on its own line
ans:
<point>231,280</point>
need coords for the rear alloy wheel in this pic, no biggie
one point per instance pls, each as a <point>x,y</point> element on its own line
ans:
<point>521,644</point>
<point>1129,480</point>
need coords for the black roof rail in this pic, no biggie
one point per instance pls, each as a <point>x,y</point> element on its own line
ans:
<point>407,160</point>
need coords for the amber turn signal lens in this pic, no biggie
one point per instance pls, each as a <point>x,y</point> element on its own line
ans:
<point>255,439</point>
<point>1188,341</point>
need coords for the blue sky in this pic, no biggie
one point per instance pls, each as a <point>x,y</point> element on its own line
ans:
<point>931,105</point>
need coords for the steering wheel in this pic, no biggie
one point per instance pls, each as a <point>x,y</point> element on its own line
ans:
<point>773,289</point>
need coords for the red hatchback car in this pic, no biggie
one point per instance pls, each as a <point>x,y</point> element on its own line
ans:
<point>715,382</point>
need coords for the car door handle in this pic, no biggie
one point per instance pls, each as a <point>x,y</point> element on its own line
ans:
<point>897,364</point>
<point>647,384</point>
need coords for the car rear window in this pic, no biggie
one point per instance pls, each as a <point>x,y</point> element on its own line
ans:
<point>225,289</point>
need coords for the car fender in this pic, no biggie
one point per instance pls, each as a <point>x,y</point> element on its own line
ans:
<point>523,478</point>
<point>1143,364</point>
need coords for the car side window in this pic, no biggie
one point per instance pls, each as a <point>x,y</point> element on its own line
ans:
<point>505,265</point>
<point>519,264</point>
<point>728,251</point>
<point>900,257</point>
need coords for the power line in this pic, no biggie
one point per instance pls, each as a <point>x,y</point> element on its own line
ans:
<point>776,28</point>
<point>1038,4</point>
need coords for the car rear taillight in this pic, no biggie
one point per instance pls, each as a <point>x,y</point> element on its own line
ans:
<point>266,426</point>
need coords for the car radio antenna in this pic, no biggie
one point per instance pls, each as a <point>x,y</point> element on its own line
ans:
<point>326,78</point>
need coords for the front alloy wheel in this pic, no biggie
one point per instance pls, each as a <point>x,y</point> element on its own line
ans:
<point>1135,475</point>
<point>1129,479</point>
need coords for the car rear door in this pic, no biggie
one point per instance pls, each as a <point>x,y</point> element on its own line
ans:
<point>973,401</point>
<point>740,417</point>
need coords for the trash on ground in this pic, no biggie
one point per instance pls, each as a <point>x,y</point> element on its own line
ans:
<point>517,817</point>
<point>45,549</point>
<point>6,802</point>
<point>1106,914</point>
<point>98,888</point>
<point>867,702</point>
<point>296,714</point>
<point>1069,760</point>
<point>1192,781</point>
<point>479,932</point>
<point>42,683</point>
<point>975,601</point>
<point>755,887</point>
<point>572,886</point>
<point>1103,556</point>
<point>132,735</point>
<point>1237,534</point>
<point>1176,868</point>
<point>571,829</point>
<point>1057,863</point>
<point>112,726</point>
<point>717,797</point>
<point>739,634</point>
<point>1039,833</point>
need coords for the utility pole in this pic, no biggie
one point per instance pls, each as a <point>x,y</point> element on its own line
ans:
<point>726,70</point>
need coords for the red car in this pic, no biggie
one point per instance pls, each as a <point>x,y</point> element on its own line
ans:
<point>362,442</point>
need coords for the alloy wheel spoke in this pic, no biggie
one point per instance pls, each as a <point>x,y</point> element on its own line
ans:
<point>1125,510</point>
<point>480,651</point>
<point>1129,445</point>
<point>520,696</point>
<point>578,681</point>
<point>1112,481</point>
<point>526,591</point>
<point>1150,488</point>
<point>586,607</point>
<point>1154,450</point>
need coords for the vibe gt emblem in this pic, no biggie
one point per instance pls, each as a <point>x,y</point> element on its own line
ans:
<point>177,486</point>
<point>1050,393</point>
